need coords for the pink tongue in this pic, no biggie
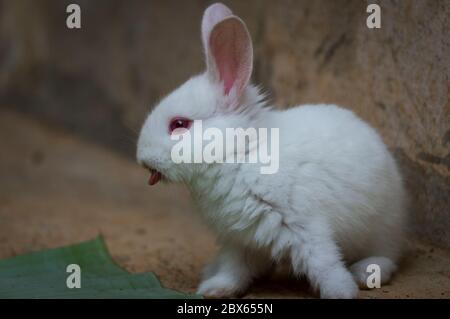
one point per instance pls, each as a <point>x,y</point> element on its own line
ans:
<point>155,176</point>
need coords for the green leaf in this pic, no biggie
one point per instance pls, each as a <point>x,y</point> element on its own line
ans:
<point>43,275</point>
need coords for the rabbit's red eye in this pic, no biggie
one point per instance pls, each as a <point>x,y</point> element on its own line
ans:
<point>179,122</point>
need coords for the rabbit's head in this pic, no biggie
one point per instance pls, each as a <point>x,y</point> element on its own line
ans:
<point>221,97</point>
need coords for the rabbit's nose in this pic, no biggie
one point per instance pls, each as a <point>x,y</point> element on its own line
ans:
<point>142,163</point>
<point>145,165</point>
<point>142,158</point>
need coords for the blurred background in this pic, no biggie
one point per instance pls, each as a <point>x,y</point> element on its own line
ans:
<point>72,102</point>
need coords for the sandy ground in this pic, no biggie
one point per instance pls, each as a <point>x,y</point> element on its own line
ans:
<point>56,190</point>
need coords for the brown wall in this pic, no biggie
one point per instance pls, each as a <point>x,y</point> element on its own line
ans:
<point>101,80</point>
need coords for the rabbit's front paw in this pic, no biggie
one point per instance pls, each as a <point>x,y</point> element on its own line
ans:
<point>339,284</point>
<point>221,286</point>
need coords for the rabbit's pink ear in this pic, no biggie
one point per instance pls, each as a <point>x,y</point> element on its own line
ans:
<point>228,49</point>
<point>214,14</point>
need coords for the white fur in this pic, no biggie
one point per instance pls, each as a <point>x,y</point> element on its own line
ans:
<point>337,198</point>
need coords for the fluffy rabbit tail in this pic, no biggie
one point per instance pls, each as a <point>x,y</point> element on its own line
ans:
<point>362,269</point>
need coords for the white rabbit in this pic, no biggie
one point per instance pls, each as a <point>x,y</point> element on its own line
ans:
<point>337,200</point>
